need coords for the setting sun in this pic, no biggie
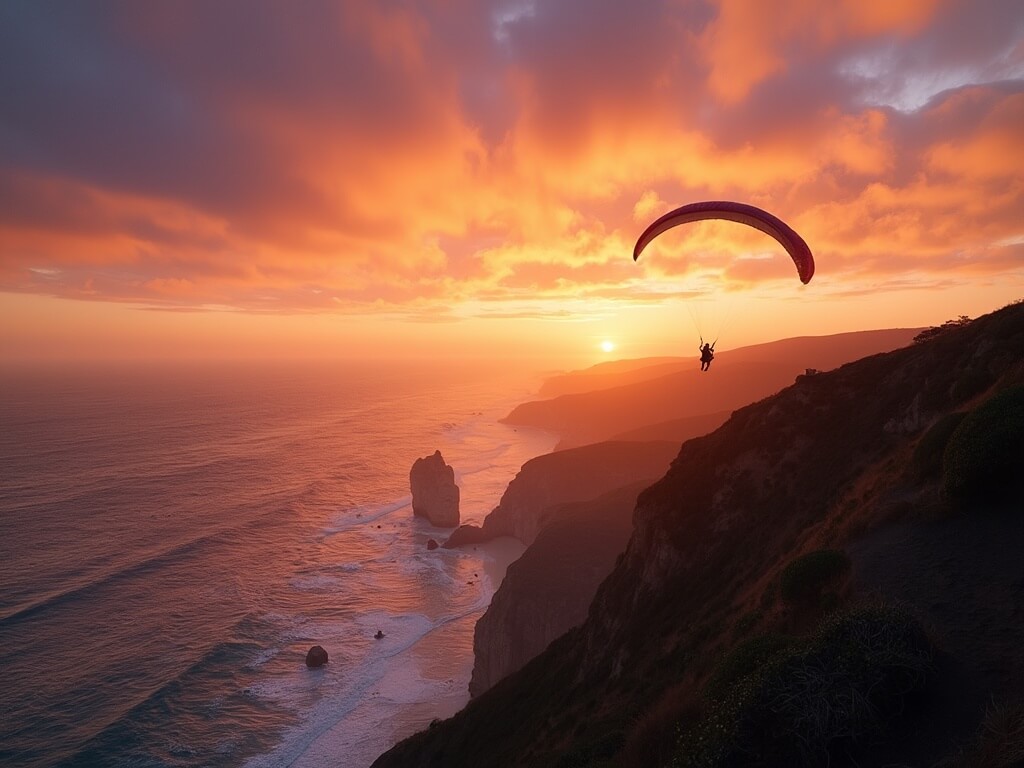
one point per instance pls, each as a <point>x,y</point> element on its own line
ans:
<point>607,346</point>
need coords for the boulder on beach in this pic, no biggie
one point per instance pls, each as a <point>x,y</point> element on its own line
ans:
<point>316,657</point>
<point>435,495</point>
<point>431,544</point>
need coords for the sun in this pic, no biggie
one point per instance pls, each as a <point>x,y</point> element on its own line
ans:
<point>607,346</point>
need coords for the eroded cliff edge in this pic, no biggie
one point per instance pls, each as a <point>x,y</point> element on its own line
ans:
<point>548,590</point>
<point>566,477</point>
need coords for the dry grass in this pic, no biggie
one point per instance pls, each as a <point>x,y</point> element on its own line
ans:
<point>999,742</point>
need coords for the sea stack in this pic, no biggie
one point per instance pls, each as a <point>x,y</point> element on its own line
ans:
<point>435,495</point>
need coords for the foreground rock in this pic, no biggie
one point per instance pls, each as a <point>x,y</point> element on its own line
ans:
<point>565,477</point>
<point>435,495</point>
<point>548,590</point>
<point>316,657</point>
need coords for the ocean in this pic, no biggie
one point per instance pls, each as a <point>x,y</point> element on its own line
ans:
<point>173,540</point>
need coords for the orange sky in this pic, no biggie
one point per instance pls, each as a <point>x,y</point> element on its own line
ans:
<point>460,177</point>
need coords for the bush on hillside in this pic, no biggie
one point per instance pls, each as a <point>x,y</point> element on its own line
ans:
<point>984,456</point>
<point>971,382</point>
<point>927,458</point>
<point>836,692</point>
<point>745,659</point>
<point>805,579</point>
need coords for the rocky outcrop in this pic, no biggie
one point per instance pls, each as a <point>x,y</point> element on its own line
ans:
<point>435,495</point>
<point>565,477</point>
<point>316,657</point>
<point>547,591</point>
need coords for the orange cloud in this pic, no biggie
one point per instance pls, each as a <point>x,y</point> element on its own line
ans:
<point>421,159</point>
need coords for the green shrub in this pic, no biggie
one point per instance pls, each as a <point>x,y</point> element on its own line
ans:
<point>836,692</point>
<point>747,621</point>
<point>971,382</point>
<point>985,454</point>
<point>745,659</point>
<point>805,578</point>
<point>927,458</point>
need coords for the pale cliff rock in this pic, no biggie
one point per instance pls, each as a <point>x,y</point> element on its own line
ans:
<point>435,495</point>
<point>549,589</point>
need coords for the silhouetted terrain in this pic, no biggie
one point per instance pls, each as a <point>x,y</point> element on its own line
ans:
<point>579,474</point>
<point>626,398</point>
<point>546,592</point>
<point>831,577</point>
<point>615,373</point>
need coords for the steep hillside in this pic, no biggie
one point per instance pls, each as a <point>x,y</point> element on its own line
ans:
<point>708,637</point>
<point>546,592</point>
<point>738,377</point>
<point>677,430</point>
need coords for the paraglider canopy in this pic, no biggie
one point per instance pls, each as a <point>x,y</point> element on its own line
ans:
<point>738,212</point>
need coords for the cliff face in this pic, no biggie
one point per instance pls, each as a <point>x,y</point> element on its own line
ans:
<point>816,465</point>
<point>548,590</point>
<point>565,477</point>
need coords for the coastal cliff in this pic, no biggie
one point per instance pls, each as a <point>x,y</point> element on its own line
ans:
<point>693,631</point>
<point>565,477</point>
<point>547,591</point>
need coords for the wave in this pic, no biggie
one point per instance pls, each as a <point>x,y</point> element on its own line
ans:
<point>151,563</point>
<point>219,678</point>
<point>353,517</point>
<point>366,682</point>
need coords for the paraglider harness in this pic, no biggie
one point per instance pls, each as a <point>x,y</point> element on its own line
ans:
<point>707,353</point>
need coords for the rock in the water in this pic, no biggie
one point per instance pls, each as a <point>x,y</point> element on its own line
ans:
<point>431,544</point>
<point>316,657</point>
<point>435,495</point>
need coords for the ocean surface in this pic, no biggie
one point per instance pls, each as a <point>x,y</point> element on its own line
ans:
<point>174,540</point>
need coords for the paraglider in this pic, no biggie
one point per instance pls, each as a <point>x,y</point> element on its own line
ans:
<point>742,213</point>
<point>707,354</point>
<point>739,212</point>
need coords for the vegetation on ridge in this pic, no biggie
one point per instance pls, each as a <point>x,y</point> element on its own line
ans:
<point>800,702</point>
<point>985,454</point>
<point>805,579</point>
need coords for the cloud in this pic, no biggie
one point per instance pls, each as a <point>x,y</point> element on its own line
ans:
<point>360,157</point>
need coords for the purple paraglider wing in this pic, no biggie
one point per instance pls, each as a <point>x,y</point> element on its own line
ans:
<point>742,213</point>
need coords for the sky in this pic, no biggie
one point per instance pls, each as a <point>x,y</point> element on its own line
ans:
<point>467,178</point>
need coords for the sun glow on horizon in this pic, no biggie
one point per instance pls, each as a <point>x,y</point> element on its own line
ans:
<point>607,346</point>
